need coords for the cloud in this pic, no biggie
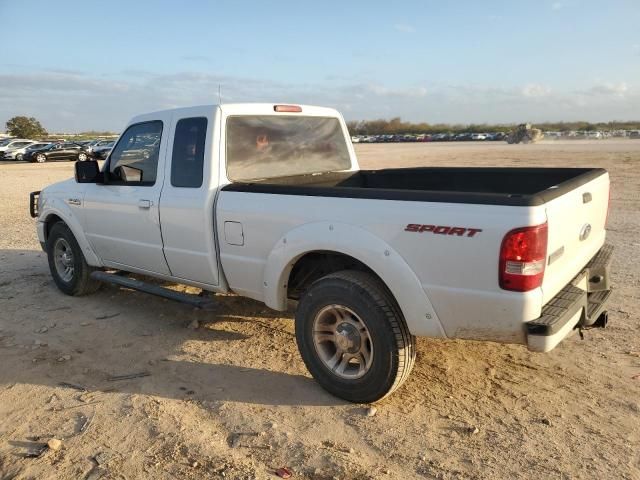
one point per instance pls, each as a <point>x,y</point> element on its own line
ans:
<point>381,90</point>
<point>196,58</point>
<point>535,90</point>
<point>615,89</point>
<point>81,102</point>
<point>404,28</point>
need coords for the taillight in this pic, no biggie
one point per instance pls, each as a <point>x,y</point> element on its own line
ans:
<point>523,255</point>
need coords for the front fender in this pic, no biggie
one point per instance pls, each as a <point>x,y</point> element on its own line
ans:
<point>56,206</point>
<point>364,246</point>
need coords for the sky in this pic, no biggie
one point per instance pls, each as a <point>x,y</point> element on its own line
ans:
<point>89,65</point>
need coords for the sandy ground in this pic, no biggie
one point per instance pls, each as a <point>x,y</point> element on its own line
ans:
<point>232,399</point>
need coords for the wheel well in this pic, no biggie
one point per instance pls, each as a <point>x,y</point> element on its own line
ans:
<point>49,223</point>
<point>315,265</point>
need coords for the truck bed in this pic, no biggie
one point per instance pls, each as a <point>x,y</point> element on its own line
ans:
<point>488,186</point>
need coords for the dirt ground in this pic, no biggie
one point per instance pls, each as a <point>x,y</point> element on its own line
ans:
<point>232,399</point>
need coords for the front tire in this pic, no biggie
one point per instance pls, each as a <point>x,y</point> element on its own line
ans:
<point>67,264</point>
<point>353,338</point>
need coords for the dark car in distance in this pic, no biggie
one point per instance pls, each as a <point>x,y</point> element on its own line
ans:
<point>57,151</point>
<point>101,152</point>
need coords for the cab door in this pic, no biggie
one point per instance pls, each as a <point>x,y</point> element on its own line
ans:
<point>186,206</point>
<point>122,218</point>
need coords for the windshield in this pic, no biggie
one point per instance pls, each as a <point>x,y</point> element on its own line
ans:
<point>268,146</point>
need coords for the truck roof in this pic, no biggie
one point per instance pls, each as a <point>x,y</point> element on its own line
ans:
<point>244,109</point>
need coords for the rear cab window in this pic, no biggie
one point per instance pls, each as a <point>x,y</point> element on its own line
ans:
<point>268,146</point>
<point>187,159</point>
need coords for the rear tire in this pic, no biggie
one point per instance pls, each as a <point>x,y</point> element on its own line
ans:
<point>353,338</point>
<point>67,264</point>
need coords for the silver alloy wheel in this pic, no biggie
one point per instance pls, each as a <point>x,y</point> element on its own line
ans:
<point>63,259</point>
<point>342,341</point>
<point>19,157</point>
<point>82,157</point>
<point>40,158</point>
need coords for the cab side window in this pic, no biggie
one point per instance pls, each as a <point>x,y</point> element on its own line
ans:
<point>134,160</point>
<point>187,159</point>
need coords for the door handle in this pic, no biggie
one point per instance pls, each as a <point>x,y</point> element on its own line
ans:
<point>145,203</point>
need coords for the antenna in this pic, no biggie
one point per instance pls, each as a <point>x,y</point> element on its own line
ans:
<point>219,94</point>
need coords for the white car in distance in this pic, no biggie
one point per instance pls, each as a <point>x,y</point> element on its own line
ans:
<point>18,153</point>
<point>12,144</point>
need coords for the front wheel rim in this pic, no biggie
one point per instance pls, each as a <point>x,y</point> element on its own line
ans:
<point>343,342</point>
<point>63,259</point>
<point>82,157</point>
<point>40,158</point>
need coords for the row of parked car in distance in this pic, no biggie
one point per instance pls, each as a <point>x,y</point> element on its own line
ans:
<point>425,137</point>
<point>468,136</point>
<point>42,151</point>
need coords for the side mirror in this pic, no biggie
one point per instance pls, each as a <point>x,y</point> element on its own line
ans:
<point>88,172</point>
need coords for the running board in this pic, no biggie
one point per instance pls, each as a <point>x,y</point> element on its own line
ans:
<point>189,299</point>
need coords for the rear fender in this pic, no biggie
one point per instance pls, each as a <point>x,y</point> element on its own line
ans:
<point>364,246</point>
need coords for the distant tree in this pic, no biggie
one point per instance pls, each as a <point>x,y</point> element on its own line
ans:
<point>353,128</point>
<point>25,127</point>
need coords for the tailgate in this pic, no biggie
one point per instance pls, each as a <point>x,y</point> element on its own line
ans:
<point>576,223</point>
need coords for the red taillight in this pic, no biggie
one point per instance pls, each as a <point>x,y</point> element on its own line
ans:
<point>523,255</point>
<point>287,108</point>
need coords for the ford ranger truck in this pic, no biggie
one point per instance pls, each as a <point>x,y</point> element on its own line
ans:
<point>267,201</point>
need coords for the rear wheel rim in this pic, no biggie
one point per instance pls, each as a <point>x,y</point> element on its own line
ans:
<point>63,259</point>
<point>343,342</point>
<point>19,157</point>
<point>82,157</point>
<point>40,158</point>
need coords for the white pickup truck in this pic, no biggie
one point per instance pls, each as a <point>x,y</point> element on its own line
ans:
<point>267,201</point>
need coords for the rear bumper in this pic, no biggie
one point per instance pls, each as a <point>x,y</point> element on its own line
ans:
<point>578,305</point>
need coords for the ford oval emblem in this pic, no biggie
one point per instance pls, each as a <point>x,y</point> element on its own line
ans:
<point>585,231</point>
